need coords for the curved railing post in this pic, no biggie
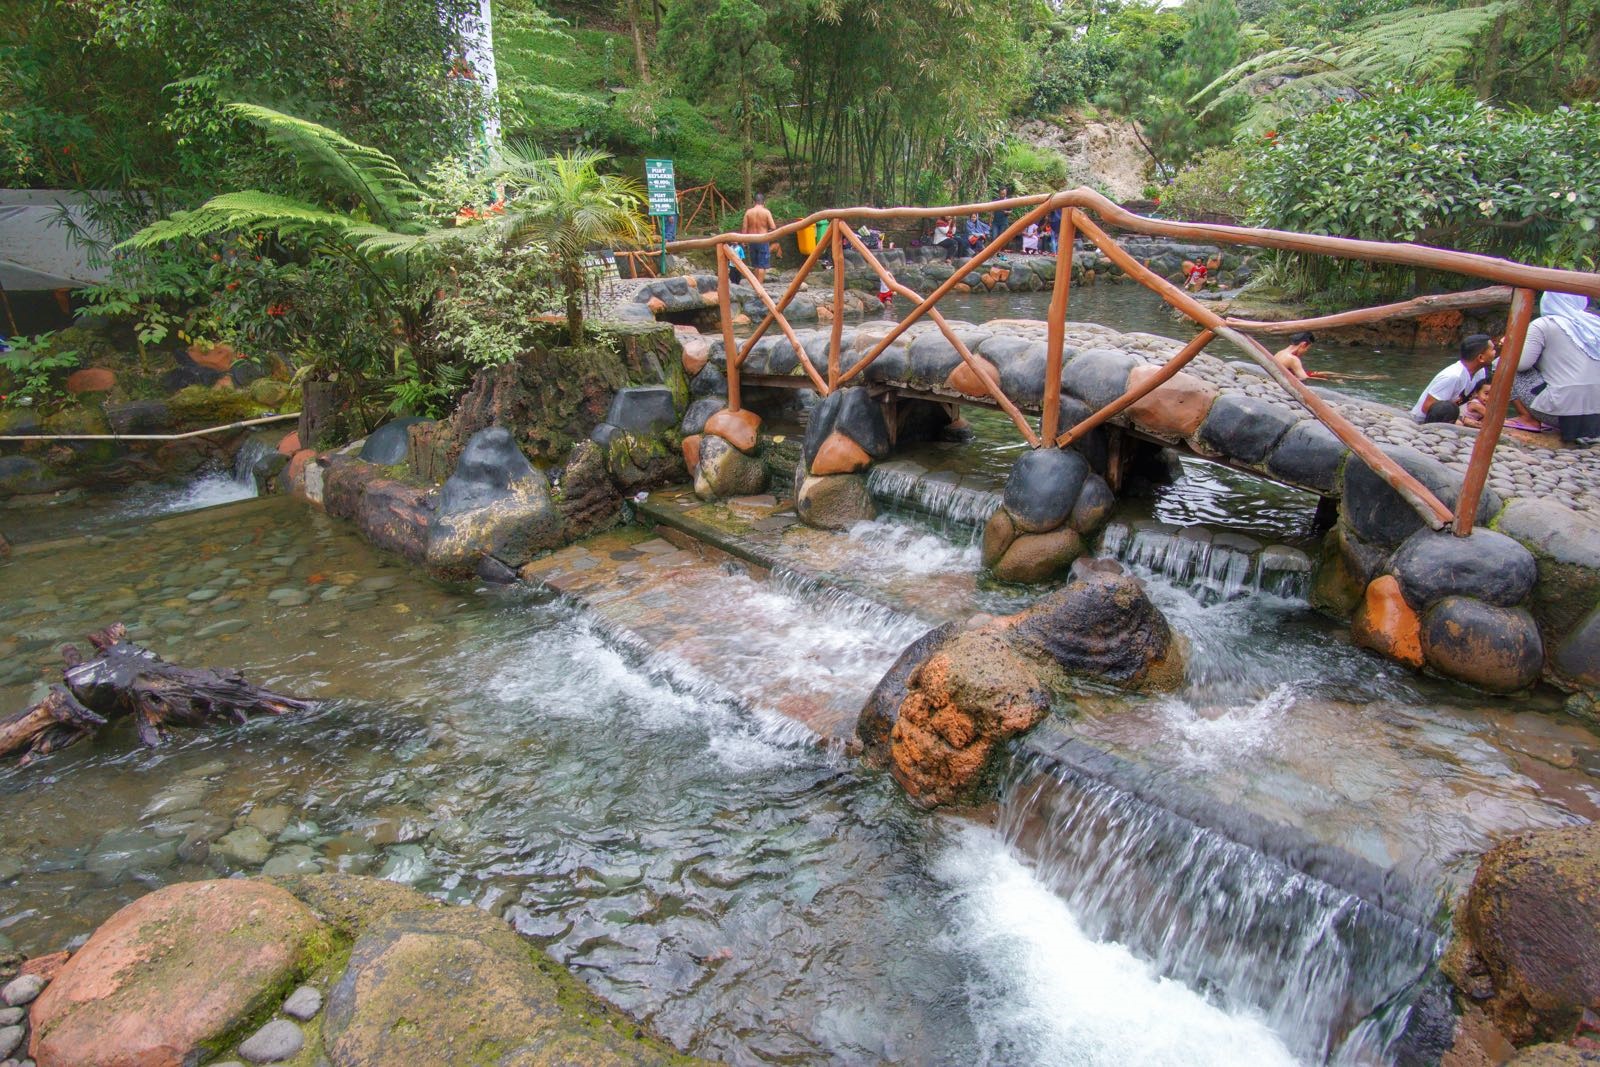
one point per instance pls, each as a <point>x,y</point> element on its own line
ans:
<point>1522,305</point>
<point>1056,329</point>
<point>836,336</point>
<point>730,348</point>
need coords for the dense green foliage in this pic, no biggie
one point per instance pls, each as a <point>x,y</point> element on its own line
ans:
<point>1439,167</point>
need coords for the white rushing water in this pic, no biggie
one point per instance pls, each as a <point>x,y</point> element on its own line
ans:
<point>1046,992</point>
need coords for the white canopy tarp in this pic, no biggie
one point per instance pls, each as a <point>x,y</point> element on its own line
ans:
<point>36,250</point>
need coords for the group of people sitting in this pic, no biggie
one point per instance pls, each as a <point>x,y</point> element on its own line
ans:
<point>972,234</point>
<point>1557,383</point>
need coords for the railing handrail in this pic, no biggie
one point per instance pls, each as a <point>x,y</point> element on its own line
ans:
<point>1075,221</point>
<point>1428,257</point>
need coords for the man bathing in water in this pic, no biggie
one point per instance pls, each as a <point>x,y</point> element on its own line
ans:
<point>1292,359</point>
<point>759,220</point>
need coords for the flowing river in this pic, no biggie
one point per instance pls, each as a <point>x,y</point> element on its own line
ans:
<point>1248,871</point>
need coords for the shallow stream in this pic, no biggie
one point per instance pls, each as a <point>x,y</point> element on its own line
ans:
<point>1248,871</point>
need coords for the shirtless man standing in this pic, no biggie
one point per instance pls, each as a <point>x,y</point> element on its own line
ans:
<point>1289,358</point>
<point>759,220</point>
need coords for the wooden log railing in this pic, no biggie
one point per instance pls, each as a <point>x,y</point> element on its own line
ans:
<point>1516,282</point>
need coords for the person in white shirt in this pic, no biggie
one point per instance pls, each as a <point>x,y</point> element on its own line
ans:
<point>1441,401</point>
<point>944,236</point>
<point>1564,346</point>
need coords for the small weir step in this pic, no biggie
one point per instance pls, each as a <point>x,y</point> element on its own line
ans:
<point>780,642</point>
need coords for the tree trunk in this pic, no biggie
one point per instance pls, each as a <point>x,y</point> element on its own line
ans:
<point>574,316</point>
<point>639,56</point>
<point>126,680</point>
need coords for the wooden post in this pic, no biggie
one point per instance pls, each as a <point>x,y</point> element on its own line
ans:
<point>1522,305</point>
<point>730,348</point>
<point>836,336</point>
<point>1056,329</point>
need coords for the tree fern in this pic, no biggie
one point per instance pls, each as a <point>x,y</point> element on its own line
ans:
<point>1416,45</point>
<point>342,166</point>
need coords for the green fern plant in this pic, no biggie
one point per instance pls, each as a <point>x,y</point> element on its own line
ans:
<point>567,204</point>
<point>1416,45</point>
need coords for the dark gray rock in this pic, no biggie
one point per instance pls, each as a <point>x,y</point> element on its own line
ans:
<point>1432,565</point>
<point>694,420</point>
<point>1094,505</point>
<point>781,358</point>
<point>1098,376</point>
<point>1103,625</point>
<point>932,359</point>
<point>757,361</point>
<point>1496,648</point>
<point>892,365</point>
<point>1021,367</point>
<point>187,374</point>
<point>245,371</point>
<point>1566,544</point>
<point>1043,488</point>
<point>1309,455</point>
<point>1244,428</point>
<point>604,433</point>
<point>643,410</point>
<point>882,708</point>
<point>1380,515</point>
<point>489,465</point>
<point>852,412</point>
<point>1577,658</point>
<point>387,445</point>
<point>23,474</point>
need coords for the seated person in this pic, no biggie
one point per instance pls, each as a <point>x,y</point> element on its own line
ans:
<point>1526,384</point>
<point>1289,358</point>
<point>1442,400</point>
<point>1030,239</point>
<point>977,233</point>
<point>1194,275</point>
<point>944,237</point>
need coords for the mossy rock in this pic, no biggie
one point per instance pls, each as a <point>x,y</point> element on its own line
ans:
<point>197,406</point>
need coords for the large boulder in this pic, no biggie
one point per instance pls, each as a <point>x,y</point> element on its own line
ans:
<point>166,980</point>
<point>1244,428</point>
<point>1309,455</point>
<point>882,709</point>
<point>965,699</point>
<point>851,414</point>
<point>1103,625</point>
<point>495,505</point>
<point>1496,648</point>
<point>584,495</point>
<point>395,516</point>
<point>1043,487</point>
<point>1173,410</point>
<point>1031,558</point>
<point>1385,623</point>
<point>458,985</point>
<point>1432,565</point>
<point>1566,547</point>
<point>724,471</point>
<point>1383,518</point>
<point>388,444</point>
<point>643,410</point>
<point>1098,376</point>
<point>1528,938</point>
<point>23,475</point>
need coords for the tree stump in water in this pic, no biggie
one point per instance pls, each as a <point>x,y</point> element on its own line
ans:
<point>125,679</point>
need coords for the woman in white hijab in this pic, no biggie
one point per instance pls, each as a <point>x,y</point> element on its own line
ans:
<point>1564,344</point>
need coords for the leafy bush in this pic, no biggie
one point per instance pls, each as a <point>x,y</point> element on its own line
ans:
<point>1069,70</point>
<point>32,370</point>
<point>1434,166</point>
<point>1211,185</point>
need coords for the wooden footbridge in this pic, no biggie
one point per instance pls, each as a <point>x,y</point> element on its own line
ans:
<point>1080,208</point>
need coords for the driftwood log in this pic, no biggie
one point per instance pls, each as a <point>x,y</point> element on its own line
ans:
<point>125,679</point>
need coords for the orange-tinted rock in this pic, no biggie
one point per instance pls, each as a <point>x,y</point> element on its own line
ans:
<point>1176,408</point>
<point>696,349</point>
<point>961,287</point>
<point>691,452</point>
<point>91,380</point>
<point>988,279</point>
<point>741,319</point>
<point>824,313</point>
<point>656,305</point>
<point>965,380</point>
<point>172,972</point>
<point>1385,623</point>
<point>290,443</point>
<point>968,696</point>
<point>46,967</point>
<point>738,428</point>
<point>709,297</point>
<point>840,455</point>
<point>219,356</point>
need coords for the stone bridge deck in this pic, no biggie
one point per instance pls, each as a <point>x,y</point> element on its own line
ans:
<point>1218,409</point>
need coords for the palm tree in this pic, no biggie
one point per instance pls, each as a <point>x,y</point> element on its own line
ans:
<point>566,204</point>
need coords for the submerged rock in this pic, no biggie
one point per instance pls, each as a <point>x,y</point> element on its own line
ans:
<point>834,501</point>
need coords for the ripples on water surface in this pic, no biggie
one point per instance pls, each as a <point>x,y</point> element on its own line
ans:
<point>752,895</point>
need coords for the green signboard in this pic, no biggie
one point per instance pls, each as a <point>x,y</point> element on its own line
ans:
<point>661,186</point>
